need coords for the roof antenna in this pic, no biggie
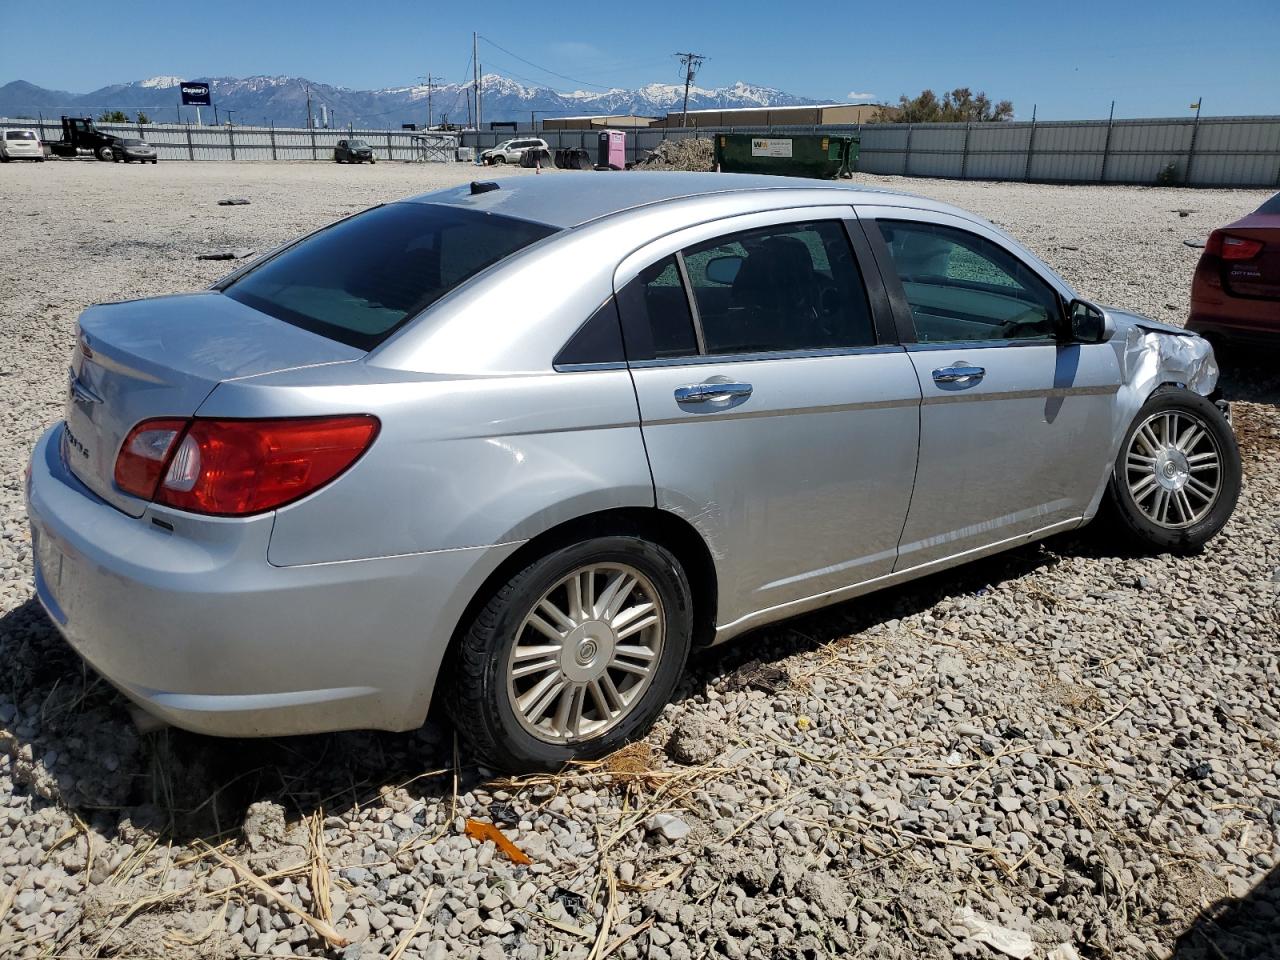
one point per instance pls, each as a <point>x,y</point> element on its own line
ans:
<point>483,186</point>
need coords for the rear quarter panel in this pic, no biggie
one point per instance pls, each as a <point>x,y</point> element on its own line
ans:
<point>459,462</point>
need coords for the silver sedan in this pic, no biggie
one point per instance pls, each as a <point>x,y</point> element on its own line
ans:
<point>526,444</point>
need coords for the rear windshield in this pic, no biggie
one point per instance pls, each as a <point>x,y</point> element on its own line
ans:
<point>19,135</point>
<point>1271,206</point>
<point>362,278</point>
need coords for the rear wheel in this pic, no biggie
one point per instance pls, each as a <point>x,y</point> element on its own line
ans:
<point>1177,477</point>
<point>574,656</point>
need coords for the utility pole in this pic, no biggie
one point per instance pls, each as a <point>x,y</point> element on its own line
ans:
<point>475,76</point>
<point>310,122</point>
<point>430,90</point>
<point>479,98</point>
<point>691,62</point>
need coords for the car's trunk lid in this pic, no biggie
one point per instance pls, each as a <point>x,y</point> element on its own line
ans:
<point>161,358</point>
<point>1259,276</point>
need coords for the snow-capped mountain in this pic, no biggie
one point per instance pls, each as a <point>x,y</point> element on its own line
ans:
<point>283,100</point>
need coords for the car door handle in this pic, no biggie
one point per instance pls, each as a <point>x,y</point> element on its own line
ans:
<point>702,392</point>
<point>961,373</point>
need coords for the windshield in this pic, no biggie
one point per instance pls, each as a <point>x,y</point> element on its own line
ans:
<point>364,277</point>
<point>19,135</point>
<point>358,144</point>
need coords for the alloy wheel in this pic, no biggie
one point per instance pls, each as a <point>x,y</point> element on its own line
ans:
<point>585,653</point>
<point>1173,468</point>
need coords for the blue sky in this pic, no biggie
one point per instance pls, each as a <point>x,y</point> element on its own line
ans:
<point>1154,57</point>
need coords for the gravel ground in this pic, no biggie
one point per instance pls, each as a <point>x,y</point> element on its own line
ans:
<point>1071,743</point>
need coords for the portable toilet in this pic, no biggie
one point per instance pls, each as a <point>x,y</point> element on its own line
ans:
<point>612,150</point>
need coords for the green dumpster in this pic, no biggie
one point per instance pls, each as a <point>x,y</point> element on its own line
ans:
<point>803,155</point>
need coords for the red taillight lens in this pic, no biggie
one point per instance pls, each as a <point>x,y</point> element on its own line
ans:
<point>238,467</point>
<point>1229,247</point>
<point>144,454</point>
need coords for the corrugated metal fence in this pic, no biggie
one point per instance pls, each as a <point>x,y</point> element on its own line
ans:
<point>1211,152</point>
<point>184,142</point>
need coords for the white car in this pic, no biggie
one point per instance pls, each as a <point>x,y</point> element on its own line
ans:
<point>20,145</point>
<point>510,151</point>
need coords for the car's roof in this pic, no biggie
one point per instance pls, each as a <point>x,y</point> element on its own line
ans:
<point>569,200</point>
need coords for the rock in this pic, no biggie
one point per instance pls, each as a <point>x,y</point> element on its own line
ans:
<point>264,827</point>
<point>695,742</point>
<point>667,825</point>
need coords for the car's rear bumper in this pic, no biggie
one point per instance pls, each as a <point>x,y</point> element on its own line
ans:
<point>206,634</point>
<point>1236,318</point>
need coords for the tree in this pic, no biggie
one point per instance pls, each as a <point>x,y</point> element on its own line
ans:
<point>143,118</point>
<point>113,116</point>
<point>958,106</point>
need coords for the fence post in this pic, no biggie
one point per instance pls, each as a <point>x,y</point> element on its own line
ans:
<point>1106,144</point>
<point>390,156</point>
<point>191,150</point>
<point>313,144</point>
<point>906,153</point>
<point>273,140</point>
<point>964,156</point>
<point>1031,149</point>
<point>231,138</point>
<point>1191,150</point>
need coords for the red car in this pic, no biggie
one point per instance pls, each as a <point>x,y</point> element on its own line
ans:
<point>1235,295</point>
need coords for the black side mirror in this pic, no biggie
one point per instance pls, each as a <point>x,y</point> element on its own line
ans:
<point>1087,322</point>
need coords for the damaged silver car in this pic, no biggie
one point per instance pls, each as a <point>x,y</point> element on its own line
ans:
<point>350,475</point>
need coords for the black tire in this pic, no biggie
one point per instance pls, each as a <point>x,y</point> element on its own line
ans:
<point>105,153</point>
<point>1180,536</point>
<point>4,158</point>
<point>475,677</point>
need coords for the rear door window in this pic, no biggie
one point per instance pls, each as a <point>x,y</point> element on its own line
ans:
<point>364,277</point>
<point>790,287</point>
<point>657,322</point>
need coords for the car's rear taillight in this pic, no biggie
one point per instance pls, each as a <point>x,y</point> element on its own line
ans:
<point>144,455</point>
<point>239,467</point>
<point>1230,247</point>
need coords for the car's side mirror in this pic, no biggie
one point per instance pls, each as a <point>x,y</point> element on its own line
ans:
<point>1088,323</point>
<point>723,269</point>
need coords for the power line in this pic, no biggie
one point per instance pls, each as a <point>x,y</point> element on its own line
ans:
<point>562,76</point>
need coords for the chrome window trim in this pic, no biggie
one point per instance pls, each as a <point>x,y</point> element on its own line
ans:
<point>654,250</point>
<point>588,367</point>
<point>699,359</point>
<point>921,346</point>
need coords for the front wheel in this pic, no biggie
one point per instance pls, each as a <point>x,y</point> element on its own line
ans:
<point>574,656</point>
<point>1177,477</point>
<point>106,153</point>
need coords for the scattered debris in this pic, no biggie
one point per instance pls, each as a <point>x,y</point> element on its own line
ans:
<point>693,153</point>
<point>233,202</point>
<point>1196,244</point>
<point>754,675</point>
<point>236,253</point>
<point>480,831</point>
<point>1013,943</point>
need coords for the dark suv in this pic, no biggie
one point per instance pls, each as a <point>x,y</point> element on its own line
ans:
<point>353,151</point>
